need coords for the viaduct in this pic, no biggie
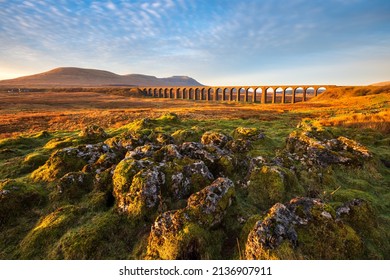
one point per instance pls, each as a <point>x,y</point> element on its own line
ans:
<point>254,94</point>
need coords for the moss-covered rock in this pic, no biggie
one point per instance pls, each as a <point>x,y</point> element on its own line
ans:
<point>214,138</point>
<point>304,228</point>
<point>174,237</point>
<point>188,233</point>
<point>247,133</point>
<point>186,135</point>
<point>270,184</point>
<point>69,160</point>
<point>169,117</point>
<point>137,187</point>
<point>184,177</point>
<point>143,152</point>
<point>321,148</point>
<point>72,186</point>
<point>60,162</point>
<point>17,197</point>
<point>93,132</point>
<point>209,204</point>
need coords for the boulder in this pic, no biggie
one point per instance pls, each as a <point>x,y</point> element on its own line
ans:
<point>318,148</point>
<point>304,228</point>
<point>209,204</point>
<point>214,138</point>
<point>270,184</point>
<point>73,185</point>
<point>188,233</point>
<point>93,132</point>
<point>246,133</point>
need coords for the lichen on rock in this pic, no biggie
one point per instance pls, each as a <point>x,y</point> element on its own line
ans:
<point>304,228</point>
<point>188,233</point>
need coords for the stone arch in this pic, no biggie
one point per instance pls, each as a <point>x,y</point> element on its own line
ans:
<point>269,94</point>
<point>257,94</point>
<point>250,94</point>
<point>177,92</point>
<point>198,95</point>
<point>298,94</point>
<point>218,94</point>
<point>203,93</point>
<point>160,92</point>
<point>171,93</point>
<point>225,94</point>
<point>166,92</point>
<point>210,94</point>
<point>279,92</point>
<point>288,92</point>
<point>191,93</point>
<point>320,90</point>
<point>184,93</point>
<point>241,91</point>
<point>233,94</point>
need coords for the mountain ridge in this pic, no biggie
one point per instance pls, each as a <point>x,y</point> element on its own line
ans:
<point>74,76</point>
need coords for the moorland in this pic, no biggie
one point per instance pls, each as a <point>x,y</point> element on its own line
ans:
<point>105,175</point>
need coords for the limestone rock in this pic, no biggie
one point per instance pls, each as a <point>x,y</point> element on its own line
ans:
<point>73,185</point>
<point>214,138</point>
<point>246,133</point>
<point>209,204</point>
<point>304,228</point>
<point>187,233</point>
<point>93,132</point>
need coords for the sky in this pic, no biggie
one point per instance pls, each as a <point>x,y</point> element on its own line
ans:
<point>217,42</point>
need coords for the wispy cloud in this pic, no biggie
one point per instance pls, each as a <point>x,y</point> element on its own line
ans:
<point>202,37</point>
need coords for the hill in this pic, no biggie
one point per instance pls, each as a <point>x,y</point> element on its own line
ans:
<point>72,76</point>
<point>387,83</point>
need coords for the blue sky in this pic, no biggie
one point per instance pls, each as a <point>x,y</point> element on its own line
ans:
<point>218,42</point>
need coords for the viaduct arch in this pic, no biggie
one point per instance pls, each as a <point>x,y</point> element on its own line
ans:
<point>252,94</point>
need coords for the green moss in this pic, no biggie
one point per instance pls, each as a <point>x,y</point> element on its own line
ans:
<point>41,239</point>
<point>35,159</point>
<point>169,117</point>
<point>187,135</point>
<point>324,239</point>
<point>72,186</point>
<point>105,236</point>
<point>16,198</point>
<point>248,133</point>
<point>124,173</point>
<point>270,184</point>
<point>59,163</point>
<point>192,242</point>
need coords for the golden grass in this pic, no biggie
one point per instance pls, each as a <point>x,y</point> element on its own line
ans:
<point>32,112</point>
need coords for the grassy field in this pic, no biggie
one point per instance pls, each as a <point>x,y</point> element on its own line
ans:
<point>53,219</point>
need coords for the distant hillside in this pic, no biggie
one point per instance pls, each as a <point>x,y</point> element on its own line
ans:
<point>387,83</point>
<point>72,76</point>
<point>351,91</point>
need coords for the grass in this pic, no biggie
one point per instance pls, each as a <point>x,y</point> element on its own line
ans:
<point>37,125</point>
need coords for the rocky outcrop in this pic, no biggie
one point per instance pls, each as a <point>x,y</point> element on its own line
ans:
<point>304,228</point>
<point>214,138</point>
<point>268,184</point>
<point>93,132</point>
<point>313,146</point>
<point>186,233</point>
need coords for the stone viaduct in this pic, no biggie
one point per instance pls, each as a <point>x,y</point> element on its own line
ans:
<point>254,94</point>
